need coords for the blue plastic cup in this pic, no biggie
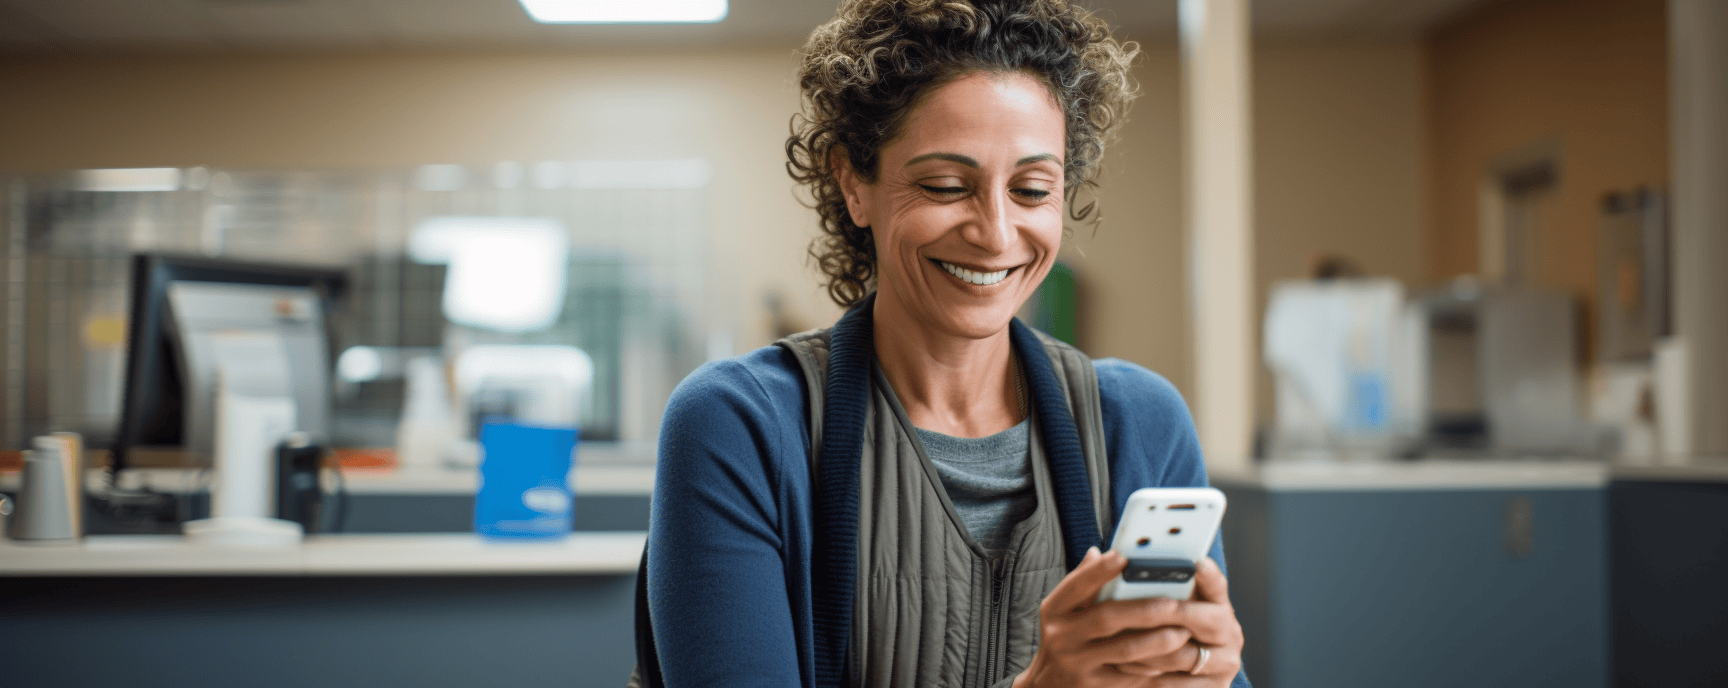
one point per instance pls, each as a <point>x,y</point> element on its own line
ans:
<point>524,481</point>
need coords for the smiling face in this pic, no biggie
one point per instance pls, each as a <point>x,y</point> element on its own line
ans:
<point>966,208</point>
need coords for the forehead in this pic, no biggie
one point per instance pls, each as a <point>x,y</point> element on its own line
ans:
<point>985,109</point>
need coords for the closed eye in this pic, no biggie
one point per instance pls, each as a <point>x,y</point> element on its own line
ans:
<point>943,190</point>
<point>1032,194</point>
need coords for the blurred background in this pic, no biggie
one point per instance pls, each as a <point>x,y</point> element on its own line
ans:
<point>1463,306</point>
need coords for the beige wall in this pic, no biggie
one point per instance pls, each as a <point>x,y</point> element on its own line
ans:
<point>1131,267</point>
<point>1337,168</point>
<point>1588,75</point>
<point>400,110</point>
<point>1337,165</point>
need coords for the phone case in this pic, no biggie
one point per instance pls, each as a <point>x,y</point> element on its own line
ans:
<point>1164,531</point>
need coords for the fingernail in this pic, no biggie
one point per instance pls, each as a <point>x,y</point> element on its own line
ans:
<point>1091,553</point>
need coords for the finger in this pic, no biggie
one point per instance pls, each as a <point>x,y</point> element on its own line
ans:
<point>1225,662</point>
<point>1220,669</point>
<point>1209,582</point>
<point>1176,680</point>
<point>1147,647</point>
<point>1123,677</point>
<point>1107,619</point>
<point>1135,669</point>
<point>1211,623</point>
<point>1080,587</point>
<point>1178,661</point>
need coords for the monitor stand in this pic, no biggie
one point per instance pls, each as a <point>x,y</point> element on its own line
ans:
<point>243,531</point>
<point>252,418</point>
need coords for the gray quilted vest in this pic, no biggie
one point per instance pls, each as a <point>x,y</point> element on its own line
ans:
<point>931,606</point>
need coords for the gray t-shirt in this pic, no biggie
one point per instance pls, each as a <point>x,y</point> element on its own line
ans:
<point>989,480</point>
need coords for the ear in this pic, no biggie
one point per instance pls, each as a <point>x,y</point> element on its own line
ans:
<point>851,186</point>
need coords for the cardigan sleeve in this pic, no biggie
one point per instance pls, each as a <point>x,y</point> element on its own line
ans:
<point>718,587</point>
<point>1151,441</point>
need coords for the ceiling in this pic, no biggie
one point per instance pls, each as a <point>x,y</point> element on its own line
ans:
<point>230,26</point>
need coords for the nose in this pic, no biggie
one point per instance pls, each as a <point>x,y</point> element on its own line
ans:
<point>993,228</point>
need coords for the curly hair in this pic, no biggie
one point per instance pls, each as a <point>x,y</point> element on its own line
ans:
<point>863,72</point>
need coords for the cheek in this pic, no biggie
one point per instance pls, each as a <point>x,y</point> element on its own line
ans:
<point>907,208</point>
<point>914,221</point>
<point>1047,228</point>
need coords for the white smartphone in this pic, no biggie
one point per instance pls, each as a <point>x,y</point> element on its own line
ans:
<point>1164,532</point>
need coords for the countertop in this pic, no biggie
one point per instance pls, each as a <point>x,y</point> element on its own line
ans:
<point>1485,474</point>
<point>1318,476</point>
<point>440,554</point>
<point>1712,469</point>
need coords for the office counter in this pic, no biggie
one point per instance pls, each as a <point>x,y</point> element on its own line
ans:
<point>1407,574</point>
<point>1420,574</point>
<point>1432,573</point>
<point>425,604</point>
<point>440,554</point>
<point>1669,535</point>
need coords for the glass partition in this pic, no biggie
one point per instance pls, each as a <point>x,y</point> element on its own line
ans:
<point>606,258</point>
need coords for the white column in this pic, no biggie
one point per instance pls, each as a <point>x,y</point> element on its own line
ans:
<point>1698,103</point>
<point>1217,127</point>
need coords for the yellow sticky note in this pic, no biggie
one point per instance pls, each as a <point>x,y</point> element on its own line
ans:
<point>105,331</point>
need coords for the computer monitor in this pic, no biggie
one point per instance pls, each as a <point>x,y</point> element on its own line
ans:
<point>179,304</point>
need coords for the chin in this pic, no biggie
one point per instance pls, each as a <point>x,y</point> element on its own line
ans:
<point>978,323</point>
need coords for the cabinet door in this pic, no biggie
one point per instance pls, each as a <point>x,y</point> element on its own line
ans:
<point>1669,553</point>
<point>1427,588</point>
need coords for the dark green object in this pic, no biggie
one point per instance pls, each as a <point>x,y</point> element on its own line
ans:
<point>1055,305</point>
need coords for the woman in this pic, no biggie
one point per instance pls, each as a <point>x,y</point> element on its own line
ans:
<point>915,496</point>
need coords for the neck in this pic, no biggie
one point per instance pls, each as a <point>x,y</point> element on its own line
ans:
<point>952,384</point>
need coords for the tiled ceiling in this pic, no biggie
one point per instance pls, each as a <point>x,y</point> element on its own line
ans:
<point>108,26</point>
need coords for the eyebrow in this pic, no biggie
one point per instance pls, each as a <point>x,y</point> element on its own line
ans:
<point>969,162</point>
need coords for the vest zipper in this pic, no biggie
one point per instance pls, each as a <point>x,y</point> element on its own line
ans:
<point>998,577</point>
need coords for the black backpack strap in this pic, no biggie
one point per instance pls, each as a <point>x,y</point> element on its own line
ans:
<point>647,674</point>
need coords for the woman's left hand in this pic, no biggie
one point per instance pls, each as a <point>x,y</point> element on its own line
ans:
<point>1211,620</point>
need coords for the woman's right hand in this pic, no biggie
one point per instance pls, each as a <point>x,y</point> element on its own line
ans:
<point>1118,643</point>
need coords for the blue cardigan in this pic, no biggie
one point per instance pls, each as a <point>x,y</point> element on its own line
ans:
<point>732,510</point>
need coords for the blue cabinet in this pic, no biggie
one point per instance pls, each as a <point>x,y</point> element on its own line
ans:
<point>1413,586</point>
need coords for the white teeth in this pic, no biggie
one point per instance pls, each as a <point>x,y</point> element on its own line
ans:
<point>982,279</point>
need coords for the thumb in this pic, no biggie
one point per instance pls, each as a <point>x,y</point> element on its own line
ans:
<point>1080,587</point>
<point>1209,582</point>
